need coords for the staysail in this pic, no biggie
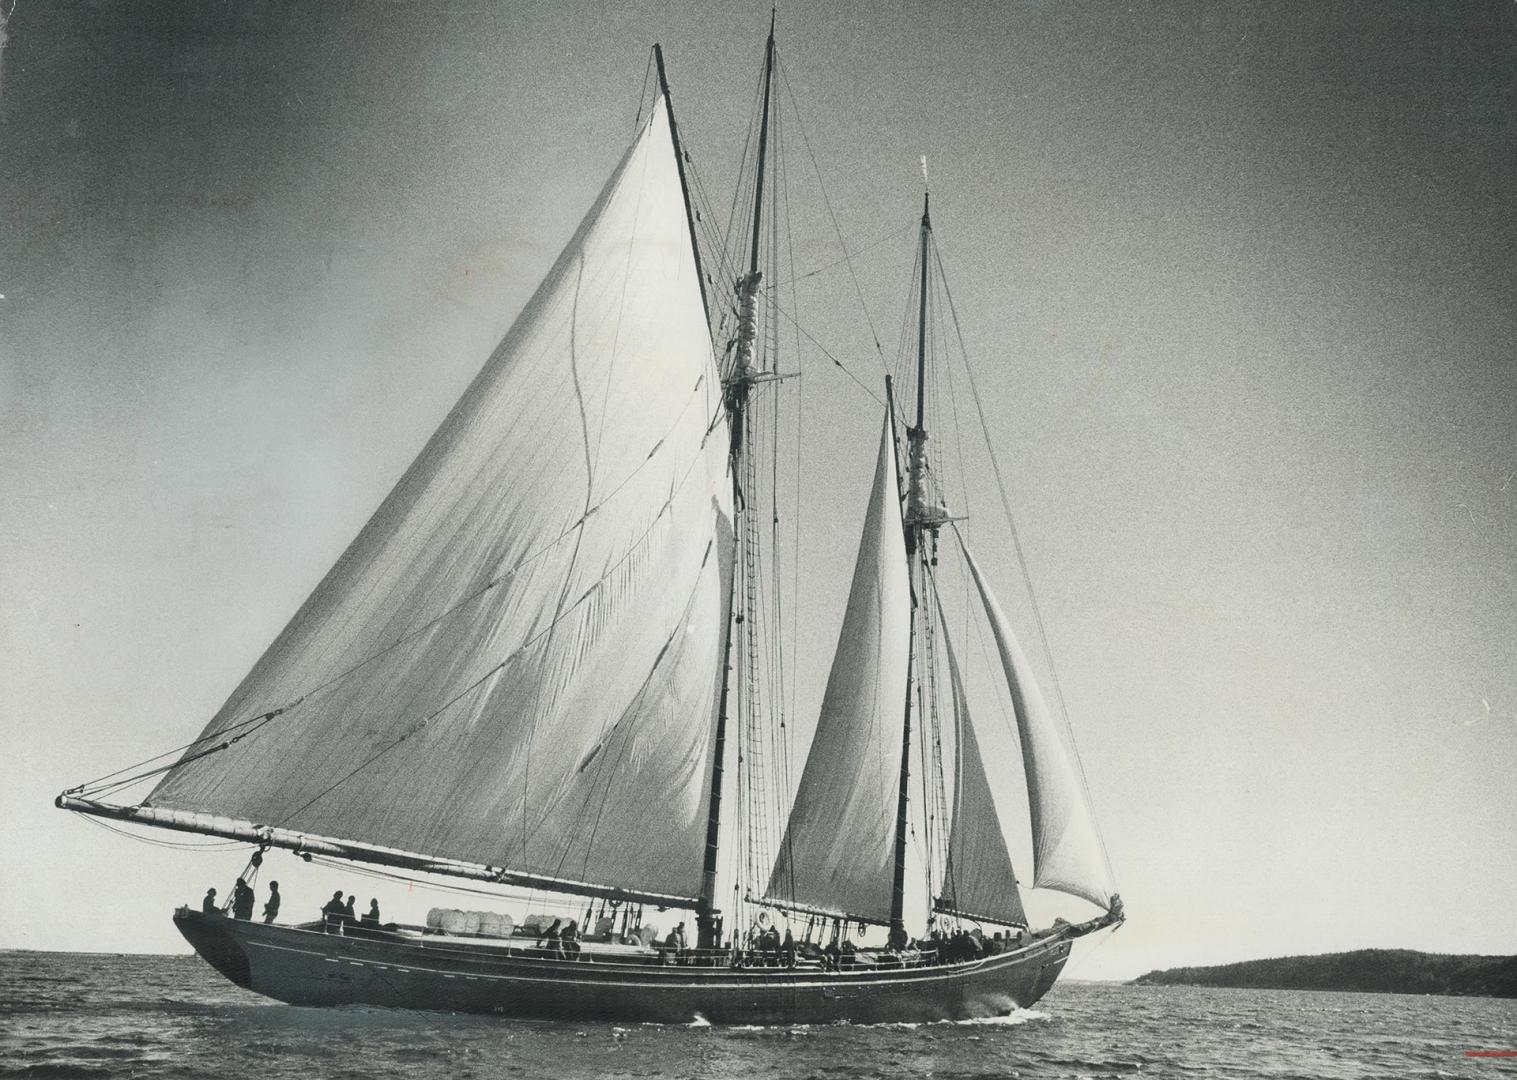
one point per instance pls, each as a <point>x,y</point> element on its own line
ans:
<point>978,879</point>
<point>1068,854</point>
<point>516,662</point>
<point>839,846</point>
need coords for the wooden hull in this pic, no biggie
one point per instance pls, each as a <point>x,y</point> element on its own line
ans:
<point>307,967</point>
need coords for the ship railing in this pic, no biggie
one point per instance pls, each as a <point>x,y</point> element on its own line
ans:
<point>591,950</point>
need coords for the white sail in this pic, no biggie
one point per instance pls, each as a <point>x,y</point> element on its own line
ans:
<point>517,660</point>
<point>1068,854</point>
<point>978,880</point>
<point>839,848</point>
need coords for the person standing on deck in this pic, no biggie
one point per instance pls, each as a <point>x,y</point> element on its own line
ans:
<point>242,900</point>
<point>568,941</point>
<point>271,908</point>
<point>332,913</point>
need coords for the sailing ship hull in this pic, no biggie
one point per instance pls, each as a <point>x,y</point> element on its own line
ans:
<point>308,967</point>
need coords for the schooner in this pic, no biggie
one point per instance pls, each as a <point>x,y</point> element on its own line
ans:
<point>547,663</point>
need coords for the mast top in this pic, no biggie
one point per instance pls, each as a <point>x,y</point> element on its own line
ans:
<point>926,195</point>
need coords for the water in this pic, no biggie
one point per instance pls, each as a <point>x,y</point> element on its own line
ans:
<point>72,1015</point>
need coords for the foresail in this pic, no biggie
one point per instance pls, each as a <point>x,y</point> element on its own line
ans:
<point>839,848</point>
<point>978,880</point>
<point>516,662</point>
<point>1067,850</point>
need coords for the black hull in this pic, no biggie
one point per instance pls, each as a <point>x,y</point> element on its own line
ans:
<point>307,967</point>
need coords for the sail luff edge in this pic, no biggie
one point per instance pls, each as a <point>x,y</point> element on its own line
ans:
<point>684,183</point>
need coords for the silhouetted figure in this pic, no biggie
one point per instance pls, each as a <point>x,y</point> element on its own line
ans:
<point>208,905</point>
<point>349,916</point>
<point>332,914</point>
<point>935,943</point>
<point>242,900</point>
<point>568,941</point>
<point>787,949</point>
<point>832,955</point>
<point>675,944</point>
<point>549,940</point>
<point>846,952</point>
<point>271,908</point>
<point>769,946</point>
<point>371,917</point>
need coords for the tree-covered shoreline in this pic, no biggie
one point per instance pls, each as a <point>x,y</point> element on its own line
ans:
<point>1385,971</point>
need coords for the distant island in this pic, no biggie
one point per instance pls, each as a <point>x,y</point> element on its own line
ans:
<point>1378,971</point>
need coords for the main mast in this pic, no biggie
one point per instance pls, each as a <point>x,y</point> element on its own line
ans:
<point>708,917</point>
<point>742,377</point>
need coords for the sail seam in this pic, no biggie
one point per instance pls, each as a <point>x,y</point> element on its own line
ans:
<point>613,730</point>
<point>98,786</point>
<point>579,538</point>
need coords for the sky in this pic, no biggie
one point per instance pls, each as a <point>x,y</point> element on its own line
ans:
<point>1238,284</point>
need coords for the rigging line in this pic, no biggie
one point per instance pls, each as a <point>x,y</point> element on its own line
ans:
<point>97,790</point>
<point>616,331</point>
<point>796,277</point>
<point>708,218</point>
<point>99,785</point>
<point>523,647</point>
<point>744,186</point>
<point>958,440</point>
<point>603,768</point>
<point>806,141</point>
<point>591,461</point>
<point>94,784</point>
<point>905,352</point>
<point>788,793</point>
<point>213,847</point>
<point>1016,539</point>
<point>642,95</point>
<point>824,351</point>
<point>530,898</point>
<point>778,730</point>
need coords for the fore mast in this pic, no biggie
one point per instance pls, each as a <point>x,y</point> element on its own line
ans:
<point>922,520</point>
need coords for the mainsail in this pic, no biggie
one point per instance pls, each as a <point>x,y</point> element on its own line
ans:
<point>978,880</point>
<point>839,847</point>
<point>517,660</point>
<point>1068,854</point>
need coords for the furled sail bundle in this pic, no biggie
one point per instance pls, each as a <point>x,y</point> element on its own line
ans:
<point>839,845</point>
<point>517,660</point>
<point>978,879</point>
<point>1068,853</point>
